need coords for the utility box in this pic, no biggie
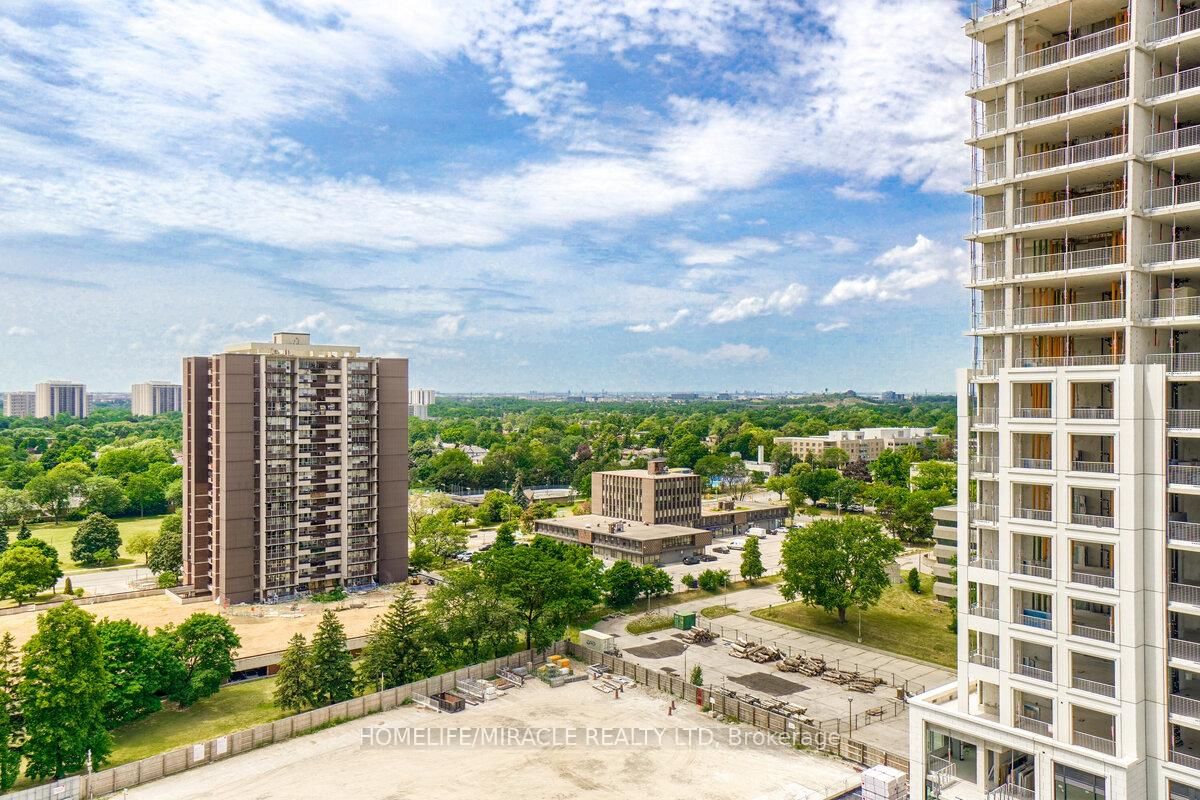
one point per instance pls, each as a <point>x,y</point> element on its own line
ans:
<point>685,622</point>
<point>595,640</point>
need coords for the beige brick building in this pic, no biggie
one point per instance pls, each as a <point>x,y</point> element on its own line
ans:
<point>20,404</point>
<point>861,445</point>
<point>61,397</point>
<point>156,397</point>
<point>655,495</point>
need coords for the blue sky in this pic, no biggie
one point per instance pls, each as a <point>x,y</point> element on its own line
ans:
<point>583,194</point>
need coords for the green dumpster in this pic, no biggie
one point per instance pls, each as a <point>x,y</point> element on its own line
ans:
<point>685,621</point>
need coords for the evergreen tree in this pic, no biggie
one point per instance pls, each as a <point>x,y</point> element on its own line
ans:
<point>752,565</point>
<point>293,691</point>
<point>62,695</point>
<point>697,676</point>
<point>3,538</point>
<point>23,532</point>
<point>398,649</point>
<point>11,731</point>
<point>504,535</point>
<point>94,536</point>
<point>518,492</point>
<point>330,667</point>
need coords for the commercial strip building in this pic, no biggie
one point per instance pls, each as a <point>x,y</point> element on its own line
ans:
<point>729,517</point>
<point>52,398</point>
<point>861,445</point>
<point>618,539</point>
<point>1079,421</point>
<point>295,470</point>
<point>20,404</point>
<point>155,397</point>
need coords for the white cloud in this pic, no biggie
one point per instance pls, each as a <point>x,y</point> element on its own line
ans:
<point>920,265</point>
<point>721,355</point>
<point>783,301</point>
<point>20,330</point>
<point>319,320</point>
<point>661,325</point>
<point>826,327</point>
<point>448,325</point>
<point>854,193</point>
<point>694,253</point>
<point>257,323</point>
<point>840,245</point>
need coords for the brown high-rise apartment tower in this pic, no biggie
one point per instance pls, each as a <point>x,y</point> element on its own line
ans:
<point>295,470</point>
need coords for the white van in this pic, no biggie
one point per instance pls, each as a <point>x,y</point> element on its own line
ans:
<point>757,533</point>
<point>780,531</point>
<point>737,544</point>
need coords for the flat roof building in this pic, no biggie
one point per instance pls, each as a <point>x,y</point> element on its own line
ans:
<point>20,404</point>
<point>61,397</point>
<point>655,495</point>
<point>156,397</point>
<point>419,401</point>
<point>619,539</point>
<point>295,470</point>
<point>861,445</point>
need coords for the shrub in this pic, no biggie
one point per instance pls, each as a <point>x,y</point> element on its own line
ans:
<point>688,580</point>
<point>712,580</point>
<point>167,579</point>
<point>914,581</point>
<point>697,676</point>
<point>67,588</point>
<point>334,595</point>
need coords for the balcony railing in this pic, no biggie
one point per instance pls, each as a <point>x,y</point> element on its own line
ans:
<point>1079,412</point>
<point>1036,569</point>
<point>987,612</point>
<point>1011,791</point>
<point>1074,101</point>
<point>1030,362</point>
<point>1170,252</point>
<point>1101,744</point>
<point>986,368</point>
<point>991,123</point>
<point>1107,147</point>
<point>1081,206</point>
<point>985,511</point>
<point>987,75</point>
<point>1183,532</point>
<point>982,562</point>
<point>1183,418</point>
<point>987,271</point>
<point>1042,514</point>
<point>1036,673</point>
<point>1091,632</point>
<point>1174,26</point>
<point>1093,520</point>
<point>985,660</point>
<point>1184,593</point>
<point>1091,258</point>
<point>989,220</point>
<point>1033,413</point>
<point>1031,725</point>
<point>1094,687</point>
<point>1100,310</point>
<point>1167,307</point>
<point>985,320</point>
<point>1164,85</point>
<point>1040,622</point>
<point>1185,760</point>
<point>1184,475</point>
<point>985,416</point>
<point>1177,139</point>
<point>1184,650</point>
<point>984,463</point>
<point>1093,466</point>
<point>1093,42</point>
<point>1033,463</point>
<point>1167,196</point>
<point>1176,363</point>
<point>1092,579</point>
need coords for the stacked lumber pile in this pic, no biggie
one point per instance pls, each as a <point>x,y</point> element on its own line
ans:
<point>812,667</point>
<point>758,653</point>
<point>855,681</point>
<point>698,635</point>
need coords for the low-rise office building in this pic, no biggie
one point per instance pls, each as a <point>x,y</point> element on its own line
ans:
<point>618,539</point>
<point>726,517</point>
<point>20,404</point>
<point>654,495</point>
<point>156,397</point>
<point>861,445</point>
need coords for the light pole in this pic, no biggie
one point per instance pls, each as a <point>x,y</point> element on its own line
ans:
<point>850,700</point>
<point>860,624</point>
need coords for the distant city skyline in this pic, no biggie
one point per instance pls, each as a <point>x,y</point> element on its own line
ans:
<point>582,194</point>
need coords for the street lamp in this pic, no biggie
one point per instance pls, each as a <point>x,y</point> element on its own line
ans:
<point>850,700</point>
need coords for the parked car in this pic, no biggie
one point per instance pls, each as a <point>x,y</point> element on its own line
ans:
<point>691,560</point>
<point>709,556</point>
<point>721,549</point>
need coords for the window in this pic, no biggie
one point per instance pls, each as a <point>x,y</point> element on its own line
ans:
<point>1075,784</point>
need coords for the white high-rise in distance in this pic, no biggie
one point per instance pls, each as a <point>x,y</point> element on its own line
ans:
<point>1079,422</point>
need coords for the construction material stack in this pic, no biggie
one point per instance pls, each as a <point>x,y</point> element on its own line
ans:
<point>811,667</point>
<point>854,681</point>
<point>884,783</point>
<point>758,653</point>
<point>698,636</point>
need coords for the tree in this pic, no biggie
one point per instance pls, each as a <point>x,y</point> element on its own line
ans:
<point>293,688</point>
<point>62,694</point>
<point>857,470</point>
<point>24,533</point>
<point>654,581</point>
<point>204,644</point>
<point>3,538</point>
<point>144,493</point>
<point>843,492</point>
<point>495,508</point>
<point>622,584</point>
<point>779,484</point>
<point>15,506</point>
<point>135,671</point>
<point>95,534</point>
<point>518,492</point>
<point>167,553</point>
<point>330,667</point>
<point>440,534</point>
<point>697,676</point>
<point>141,543</point>
<point>935,476</point>
<point>473,621</point>
<point>752,565</point>
<point>711,580</point>
<point>913,520</point>
<point>11,726</point>
<point>166,580</point>
<point>836,564</point>
<point>891,467</point>
<point>504,534</point>
<point>834,458</point>
<point>104,495</point>
<point>399,645</point>
<point>914,581</point>
<point>815,484</point>
<point>26,572</point>
<point>685,450</point>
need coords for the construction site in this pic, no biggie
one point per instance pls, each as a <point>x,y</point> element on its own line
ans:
<point>529,734</point>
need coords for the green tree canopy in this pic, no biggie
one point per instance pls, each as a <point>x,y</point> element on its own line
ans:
<point>752,564</point>
<point>204,644</point>
<point>330,666</point>
<point>399,646</point>
<point>95,534</point>
<point>838,564</point>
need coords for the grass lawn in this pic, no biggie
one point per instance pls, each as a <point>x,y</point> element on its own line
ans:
<point>716,612</point>
<point>903,623</point>
<point>232,709</point>
<point>60,537</point>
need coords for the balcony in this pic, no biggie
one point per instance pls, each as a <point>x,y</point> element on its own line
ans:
<point>1167,307</point>
<point>1098,311</point>
<point>1033,463</point>
<point>1090,258</point>
<point>1093,520</point>
<point>1094,687</point>
<point>1074,48</point>
<point>980,562</point>
<point>1169,196</point>
<point>1068,103</point>
<point>1042,362</point>
<point>1031,618</point>
<point>1058,158</point>
<point>988,464</point>
<point>985,659</point>
<point>1035,569</point>
<point>1183,475</point>
<point>1176,363</point>
<point>1031,725</point>
<point>1084,205</point>
<point>1033,413</point>
<point>1176,82</point>
<point>1036,673</point>
<point>1101,744</point>
<point>1181,531</point>
<point>1184,706</point>
<point>1184,593</point>
<point>989,221</point>
<point>987,271</point>
<point>987,320</point>
<point>1183,418</point>
<point>990,123</point>
<point>1097,412</point>
<point>1011,791</point>
<point>989,512</point>
<point>1177,139</point>
<point>988,368</point>
<point>1098,467</point>
<point>987,612</point>
<point>1091,632</point>
<point>1174,26</point>
<point>983,8</point>
<point>1089,577</point>
<point>985,416</point>
<point>1040,514</point>
<point>1184,650</point>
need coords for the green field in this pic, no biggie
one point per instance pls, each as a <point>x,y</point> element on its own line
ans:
<point>232,709</point>
<point>903,623</point>
<point>60,537</point>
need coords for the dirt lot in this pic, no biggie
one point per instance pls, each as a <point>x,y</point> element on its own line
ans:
<point>337,763</point>
<point>264,629</point>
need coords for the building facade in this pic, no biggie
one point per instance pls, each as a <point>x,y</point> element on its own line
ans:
<point>155,397</point>
<point>655,495</point>
<point>1079,421</point>
<point>295,470</point>
<point>945,551</point>
<point>20,404</point>
<point>419,401</point>
<point>52,398</point>
<point>861,445</point>
<point>618,539</point>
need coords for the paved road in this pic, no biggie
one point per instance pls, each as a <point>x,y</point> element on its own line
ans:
<point>108,581</point>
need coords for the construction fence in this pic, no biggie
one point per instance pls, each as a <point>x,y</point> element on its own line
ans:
<point>126,776</point>
<point>734,708</point>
